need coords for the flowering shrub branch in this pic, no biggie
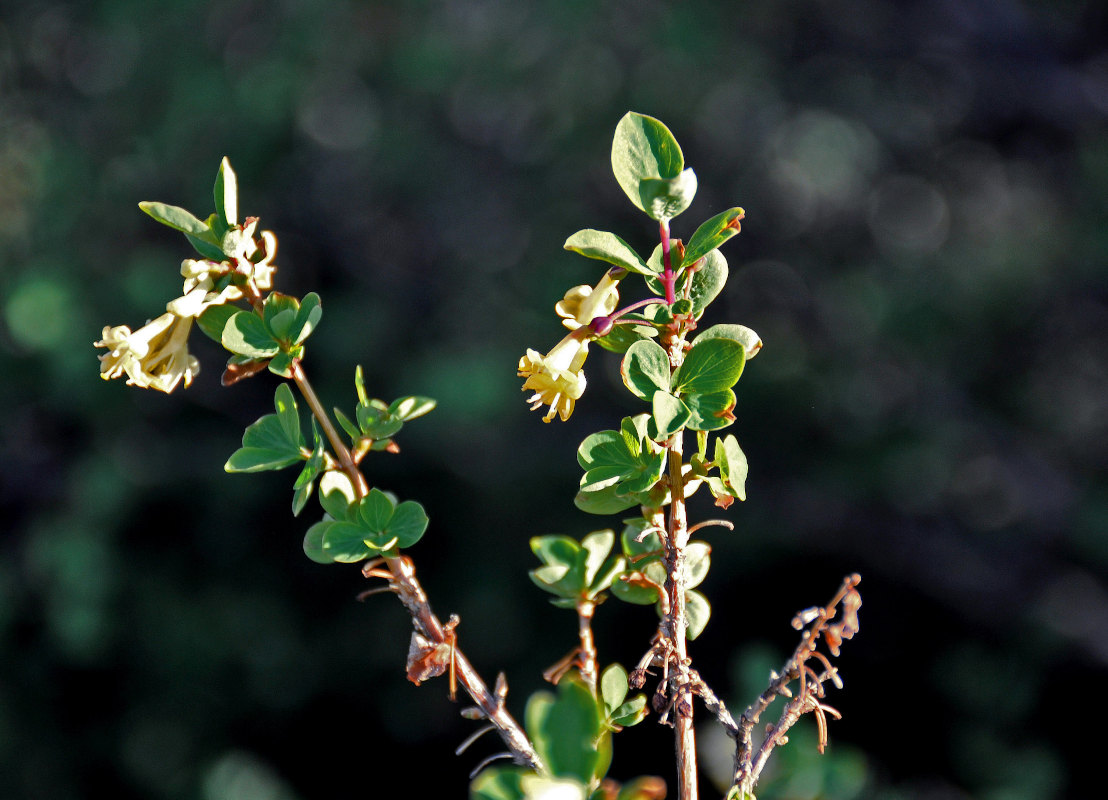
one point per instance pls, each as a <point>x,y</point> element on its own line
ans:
<point>683,374</point>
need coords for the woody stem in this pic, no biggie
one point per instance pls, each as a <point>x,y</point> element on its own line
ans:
<point>414,599</point>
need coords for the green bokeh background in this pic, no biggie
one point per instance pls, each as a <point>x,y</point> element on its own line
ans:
<point>924,256</point>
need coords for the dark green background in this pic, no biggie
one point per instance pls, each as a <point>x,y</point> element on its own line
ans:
<point>924,256</point>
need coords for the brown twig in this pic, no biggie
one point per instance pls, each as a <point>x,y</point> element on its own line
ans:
<point>402,580</point>
<point>750,761</point>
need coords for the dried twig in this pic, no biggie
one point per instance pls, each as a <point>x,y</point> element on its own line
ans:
<point>437,651</point>
<point>749,761</point>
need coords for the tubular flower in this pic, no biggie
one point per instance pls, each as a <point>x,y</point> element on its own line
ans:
<point>582,304</point>
<point>155,356</point>
<point>199,288</point>
<point>246,249</point>
<point>556,378</point>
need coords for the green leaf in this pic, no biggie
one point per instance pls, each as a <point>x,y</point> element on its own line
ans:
<point>613,686</point>
<point>177,218</point>
<point>645,369</point>
<point>708,281</point>
<point>608,247</point>
<point>375,510</point>
<point>622,337</point>
<point>710,366</point>
<point>285,404</point>
<point>278,314</point>
<point>206,248</point>
<point>665,199</point>
<point>750,341</point>
<point>347,425</point>
<point>564,570</point>
<point>630,713</point>
<point>712,234</point>
<point>282,363</point>
<point>313,543</point>
<point>698,559</point>
<point>732,464</point>
<point>408,523</point>
<point>307,318</point>
<point>596,546</point>
<point>605,500</point>
<point>376,422</point>
<point>273,442</point>
<point>555,550</point>
<point>710,412</point>
<point>698,610</point>
<point>641,583</point>
<point>668,414</point>
<point>635,543</point>
<point>337,495</point>
<point>345,542</point>
<point>245,334</point>
<point>538,787</point>
<point>226,193</point>
<point>498,783</point>
<point>359,386</point>
<point>214,320</point>
<point>602,580</point>
<point>386,524</point>
<point>565,729</point>
<point>643,149</point>
<point>409,408</point>
<point>608,458</point>
<point>305,482</point>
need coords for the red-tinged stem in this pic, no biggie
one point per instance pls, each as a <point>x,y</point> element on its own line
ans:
<point>668,279</point>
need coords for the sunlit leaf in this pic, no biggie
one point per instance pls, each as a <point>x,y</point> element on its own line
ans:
<point>710,366</point>
<point>643,149</point>
<point>245,334</point>
<point>712,234</point>
<point>645,369</point>
<point>226,193</point>
<point>607,247</point>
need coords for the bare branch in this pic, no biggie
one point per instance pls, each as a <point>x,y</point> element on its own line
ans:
<point>749,761</point>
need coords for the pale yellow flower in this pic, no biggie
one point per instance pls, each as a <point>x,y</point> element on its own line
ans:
<point>582,304</point>
<point>199,288</point>
<point>556,378</point>
<point>246,249</point>
<point>155,356</point>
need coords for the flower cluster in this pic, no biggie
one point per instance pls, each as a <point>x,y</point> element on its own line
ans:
<point>156,356</point>
<point>557,379</point>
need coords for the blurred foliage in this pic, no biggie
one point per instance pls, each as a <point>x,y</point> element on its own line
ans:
<point>924,256</point>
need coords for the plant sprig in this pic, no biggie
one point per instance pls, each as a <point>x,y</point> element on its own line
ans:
<point>683,376</point>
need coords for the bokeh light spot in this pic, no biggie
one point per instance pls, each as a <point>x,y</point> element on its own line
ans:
<point>37,313</point>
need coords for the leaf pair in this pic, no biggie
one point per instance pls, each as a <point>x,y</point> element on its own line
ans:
<point>375,422</point>
<point>573,571</point>
<point>276,336</point>
<point>275,442</point>
<point>208,237</point>
<point>359,527</point>
<point>621,468</point>
<point>731,462</point>
<point>697,395</point>
<point>649,167</point>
